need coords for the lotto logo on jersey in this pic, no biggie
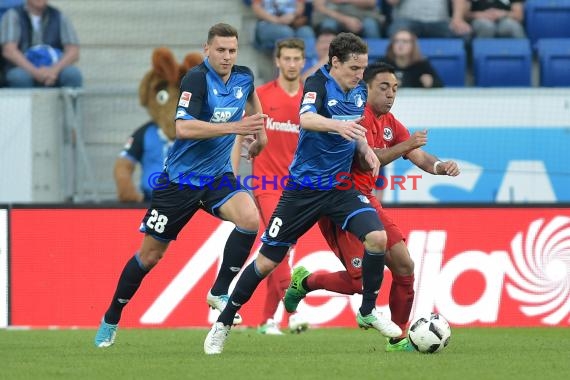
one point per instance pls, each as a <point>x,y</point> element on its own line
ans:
<point>223,114</point>
<point>185,99</point>
<point>310,98</point>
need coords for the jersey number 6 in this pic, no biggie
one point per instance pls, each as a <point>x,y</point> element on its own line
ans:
<point>274,228</point>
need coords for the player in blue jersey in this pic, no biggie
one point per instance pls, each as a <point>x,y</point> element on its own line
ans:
<point>331,107</point>
<point>198,173</point>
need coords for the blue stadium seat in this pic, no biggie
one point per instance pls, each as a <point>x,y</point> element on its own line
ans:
<point>310,53</point>
<point>502,62</point>
<point>376,48</point>
<point>554,58</point>
<point>447,56</point>
<point>547,19</point>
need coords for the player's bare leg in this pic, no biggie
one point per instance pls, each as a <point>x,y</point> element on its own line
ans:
<point>252,275</point>
<point>241,210</point>
<point>133,273</point>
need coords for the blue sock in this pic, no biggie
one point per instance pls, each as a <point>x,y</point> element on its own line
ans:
<point>236,252</point>
<point>246,285</point>
<point>129,282</point>
<point>372,276</point>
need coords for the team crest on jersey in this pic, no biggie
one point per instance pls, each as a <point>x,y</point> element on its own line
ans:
<point>358,100</point>
<point>363,199</point>
<point>238,92</point>
<point>310,98</point>
<point>185,99</point>
<point>388,134</point>
<point>356,262</point>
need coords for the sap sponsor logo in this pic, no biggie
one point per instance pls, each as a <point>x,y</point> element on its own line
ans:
<point>345,117</point>
<point>310,98</point>
<point>185,99</point>
<point>223,114</point>
<point>273,125</point>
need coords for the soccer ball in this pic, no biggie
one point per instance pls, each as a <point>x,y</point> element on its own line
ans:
<point>429,334</point>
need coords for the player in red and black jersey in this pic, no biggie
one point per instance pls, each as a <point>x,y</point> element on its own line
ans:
<point>390,140</point>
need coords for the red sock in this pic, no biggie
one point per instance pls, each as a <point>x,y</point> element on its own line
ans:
<point>339,282</point>
<point>401,299</point>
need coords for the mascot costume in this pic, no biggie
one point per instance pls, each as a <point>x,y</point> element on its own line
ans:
<point>149,144</point>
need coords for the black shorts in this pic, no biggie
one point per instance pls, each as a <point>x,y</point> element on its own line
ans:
<point>298,210</point>
<point>172,207</point>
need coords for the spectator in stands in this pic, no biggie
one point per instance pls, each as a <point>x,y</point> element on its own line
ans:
<point>361,17</point>
<point>4,6</point>
<point>430,18</point>
<point>39,45</point>
<point>497,18</point>
<point>279,19</point>
<point>322,47</point>
<point>412,69</point>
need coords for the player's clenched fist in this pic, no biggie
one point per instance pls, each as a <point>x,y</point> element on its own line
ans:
<point>250,124</point>
<point>449,168</point>
<point>351,130</point>
<point>417,139</point>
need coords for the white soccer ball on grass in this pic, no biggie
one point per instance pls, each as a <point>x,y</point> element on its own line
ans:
<point>429,334</point>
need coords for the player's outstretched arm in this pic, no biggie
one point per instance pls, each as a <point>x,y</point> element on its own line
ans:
<point>198,129</point>
<point>416,140</point>
<point>431,164</point>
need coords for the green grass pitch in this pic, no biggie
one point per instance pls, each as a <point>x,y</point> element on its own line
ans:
<point>473,353</point>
